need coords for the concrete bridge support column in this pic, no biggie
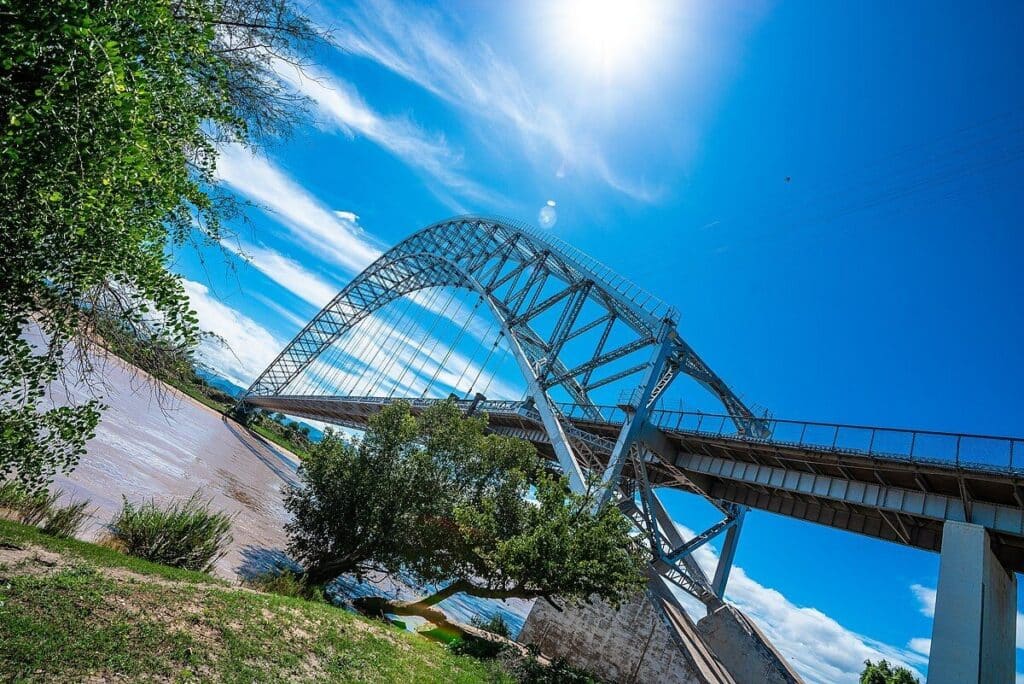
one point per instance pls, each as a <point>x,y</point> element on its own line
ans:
<point>973,635</point>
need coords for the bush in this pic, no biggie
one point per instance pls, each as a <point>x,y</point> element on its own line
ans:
<point>287,583</point>
<point>28,507</point>
<point>40,509</point>
<point>477,647</point>
<point>65,521</point>
<point>183,535</point>
<point>495,625</point>
<point>529,670</point>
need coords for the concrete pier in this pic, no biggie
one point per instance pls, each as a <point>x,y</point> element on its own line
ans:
<point>649,639</point>
<point>973,636</point>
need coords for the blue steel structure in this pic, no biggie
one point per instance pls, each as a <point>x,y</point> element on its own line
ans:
<point>522,274</point>
<point>898,485</point>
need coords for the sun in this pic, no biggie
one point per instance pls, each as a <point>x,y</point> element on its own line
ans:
<point>607,36</point>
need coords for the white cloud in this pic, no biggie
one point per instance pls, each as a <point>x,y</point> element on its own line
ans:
<point>926,597</point>
<point>821,649</point>
<point>920,645</point>
<point>333,235</point>
<point>319,229</point>
<point>342,105</point>
<point>250,348</point>
<point>288,273</point>
<point>468,74</point>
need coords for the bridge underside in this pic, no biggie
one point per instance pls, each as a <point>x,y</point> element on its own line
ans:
<point>888,498</point>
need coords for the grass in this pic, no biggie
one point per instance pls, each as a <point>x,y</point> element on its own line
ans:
<point>286,583</point>
<point>40,508</point>
<point>183,534</point>
<point>280,441</point>
<point>82,620</point>
<point>227,410</point>
<point>21,535</point>
<point>195,393</point>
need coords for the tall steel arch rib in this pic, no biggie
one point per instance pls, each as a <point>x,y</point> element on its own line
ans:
<point>521,274</point>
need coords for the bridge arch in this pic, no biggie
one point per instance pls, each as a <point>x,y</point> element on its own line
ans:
<point>522,273</point>
<point>507,263</point>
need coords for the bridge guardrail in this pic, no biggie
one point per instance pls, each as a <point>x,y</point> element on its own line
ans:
<point>925,446</point>
<point>985,452</point>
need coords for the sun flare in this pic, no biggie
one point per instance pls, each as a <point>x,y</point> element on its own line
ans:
<point>607,35</point>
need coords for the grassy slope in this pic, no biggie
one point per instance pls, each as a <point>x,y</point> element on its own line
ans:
<point>98,613</point>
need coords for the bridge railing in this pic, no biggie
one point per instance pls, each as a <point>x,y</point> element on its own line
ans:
<point>986,452</point>
<point>925,446</point>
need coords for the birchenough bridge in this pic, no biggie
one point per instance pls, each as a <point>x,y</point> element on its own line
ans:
<point>597,358</point>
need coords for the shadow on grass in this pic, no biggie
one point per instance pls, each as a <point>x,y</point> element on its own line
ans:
<point>259,560</point>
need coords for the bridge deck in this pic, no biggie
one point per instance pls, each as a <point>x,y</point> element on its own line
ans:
<point>897,485</point>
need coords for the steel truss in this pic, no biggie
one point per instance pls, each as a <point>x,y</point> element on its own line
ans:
<point>522,274</point>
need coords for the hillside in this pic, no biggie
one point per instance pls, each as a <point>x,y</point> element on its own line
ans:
<point>73,611</point>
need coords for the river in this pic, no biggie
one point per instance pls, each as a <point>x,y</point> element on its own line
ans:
<point>154,442</point>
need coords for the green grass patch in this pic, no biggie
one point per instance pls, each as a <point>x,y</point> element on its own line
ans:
<point>280,441</point>
<point>441,635</point>
<point>16,533</point>
<point>286,582</point>
<point>74,622</point>
<point>40,508</point>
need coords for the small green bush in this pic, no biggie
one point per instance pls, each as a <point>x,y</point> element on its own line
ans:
<point>287,583</point>
<point>66,521</point>
<point>40,509</point>
<point>476,647</point>
<point>495,625</point>
<point>529,670</point>
<point>182,534</point>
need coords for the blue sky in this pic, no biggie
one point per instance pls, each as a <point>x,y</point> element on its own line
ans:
<point>878,285</point>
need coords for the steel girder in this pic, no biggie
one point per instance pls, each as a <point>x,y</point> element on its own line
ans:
<point>480,247</point>
<point>522,274</point>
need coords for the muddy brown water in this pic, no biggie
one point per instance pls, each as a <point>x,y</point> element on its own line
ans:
<point>154,442</point>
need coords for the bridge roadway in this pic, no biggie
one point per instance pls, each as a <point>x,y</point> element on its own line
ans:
<point>896,485</point>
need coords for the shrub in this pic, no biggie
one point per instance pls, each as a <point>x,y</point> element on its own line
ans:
<point>529,670</point>
<point>477,647</point>
<point>495,625</point>
<point>287,583</point>
<point>23,505</point>
<point>66,521</point>
<point>182,534</point>
<point>40,509</point>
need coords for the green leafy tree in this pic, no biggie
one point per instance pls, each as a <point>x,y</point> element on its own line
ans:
<point>884,673</point>
<point>111,114</point>
<point>438,497</point>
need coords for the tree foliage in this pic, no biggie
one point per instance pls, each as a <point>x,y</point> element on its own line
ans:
<point>884,673</point>
<point>111,114</point>
<point>439,498</point>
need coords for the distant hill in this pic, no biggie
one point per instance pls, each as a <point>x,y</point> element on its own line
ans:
<point>225,385</point>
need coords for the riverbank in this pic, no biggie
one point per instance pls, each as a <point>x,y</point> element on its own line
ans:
<point>72,611</point>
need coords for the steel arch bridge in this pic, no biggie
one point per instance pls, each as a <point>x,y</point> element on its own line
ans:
<point>547,297</point>
<point>513,267</point>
